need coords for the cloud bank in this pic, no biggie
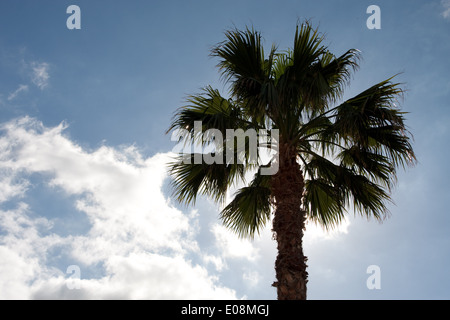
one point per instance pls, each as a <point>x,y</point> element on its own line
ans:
<point>137,243</point>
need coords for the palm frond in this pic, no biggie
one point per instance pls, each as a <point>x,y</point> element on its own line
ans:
<point>242,61</point>
<point>296,66</point>
<point>328,77</point>
<point>213,110</point>
<point>242,55</point>
<point>192,177</point>
<point>323,203</point>
<point>371,120</point>
<point>370,164</point>
<point>250,209</point>
<point>333,187</point>
<point>367,198</point>
<point>307,49</point>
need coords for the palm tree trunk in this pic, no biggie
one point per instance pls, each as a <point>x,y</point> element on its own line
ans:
<point>288,225</point>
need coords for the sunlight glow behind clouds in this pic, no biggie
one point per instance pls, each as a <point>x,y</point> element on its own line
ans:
<point>232,246</point>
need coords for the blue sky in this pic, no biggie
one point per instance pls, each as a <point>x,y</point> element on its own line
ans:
<point>83,151</point>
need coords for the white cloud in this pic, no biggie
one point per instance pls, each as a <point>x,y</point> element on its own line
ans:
<point>22,250</point>
<point>251,277</point>
<point>446,9</point>
<point>218,262</point>
<point>37,74</point>
<point>233,247</point>
<point>21,88</point>
<point>139,239</point>
<point>40,76</point>
<point>139,276</point>
<point>315,232</point>
<point>9,187</point>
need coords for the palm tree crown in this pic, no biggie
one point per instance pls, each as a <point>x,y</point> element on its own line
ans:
<point>332,155</point>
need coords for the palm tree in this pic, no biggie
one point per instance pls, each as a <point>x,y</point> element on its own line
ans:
<point>332,156</point>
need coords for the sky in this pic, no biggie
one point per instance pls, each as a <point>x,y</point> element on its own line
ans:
<point>85,205</point>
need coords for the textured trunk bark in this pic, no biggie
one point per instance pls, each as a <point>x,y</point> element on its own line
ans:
<point>288,225</point>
